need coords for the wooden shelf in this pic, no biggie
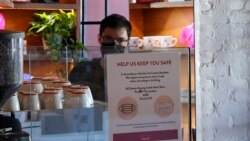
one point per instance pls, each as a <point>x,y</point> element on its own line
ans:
<point>139,6</point>
<point>171,4</point>
<point>162,5</point>
<point>6,3</point>
<point>42,6</point>
<point>32,7</point>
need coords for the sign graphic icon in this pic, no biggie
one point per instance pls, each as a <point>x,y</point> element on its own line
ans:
<point>127,108</point>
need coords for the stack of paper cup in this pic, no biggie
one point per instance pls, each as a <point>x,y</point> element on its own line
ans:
<point>12,104</point>
<point>60,83</point>
<point>79,99</point>
<point>47,81</point>
<point>30,101</point>
<point>52,99</point>
<point>86,89</point>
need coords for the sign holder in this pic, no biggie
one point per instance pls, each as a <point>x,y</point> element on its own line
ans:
<point>144,90</point>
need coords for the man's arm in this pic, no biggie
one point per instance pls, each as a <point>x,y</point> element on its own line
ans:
<point>78,73</point>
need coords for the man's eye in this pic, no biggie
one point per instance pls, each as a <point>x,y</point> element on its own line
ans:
<point>121,40</point>
<point>107,38</point>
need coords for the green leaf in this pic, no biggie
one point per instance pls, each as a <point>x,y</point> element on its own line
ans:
<point>55,24</point>
<point>41,29</point>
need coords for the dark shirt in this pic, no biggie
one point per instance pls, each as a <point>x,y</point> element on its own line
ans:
<point>90,73</point>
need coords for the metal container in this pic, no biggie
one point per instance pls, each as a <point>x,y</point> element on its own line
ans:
<point>11,63</point>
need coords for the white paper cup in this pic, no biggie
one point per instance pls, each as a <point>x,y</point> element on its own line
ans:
<point>30,101</point>
<point>79,99</point>
<point>12,104</point>
<point>36,86</point>
<point>25,86</point>
<point>47,81</point>
<point>37,79</point>
<point>60,83</point>
<point>52,99</point>
<point>86,89</point>
<point>65,91</point>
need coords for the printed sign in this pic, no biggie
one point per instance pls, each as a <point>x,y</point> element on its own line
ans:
<point>144,96</point>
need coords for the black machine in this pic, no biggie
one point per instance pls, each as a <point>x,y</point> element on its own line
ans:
<point>11,77</point>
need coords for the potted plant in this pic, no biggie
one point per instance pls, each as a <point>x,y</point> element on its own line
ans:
<point>57,30</point>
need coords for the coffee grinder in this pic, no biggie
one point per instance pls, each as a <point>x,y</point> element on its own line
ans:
<point>11,77</point>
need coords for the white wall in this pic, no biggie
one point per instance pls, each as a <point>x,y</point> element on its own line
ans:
<point>222,69</point>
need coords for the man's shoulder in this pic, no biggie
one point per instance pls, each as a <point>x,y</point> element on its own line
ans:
<point>84,71</point>
<point>87,64</point>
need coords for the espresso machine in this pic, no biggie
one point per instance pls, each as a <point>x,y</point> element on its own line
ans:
<point>11,77</point>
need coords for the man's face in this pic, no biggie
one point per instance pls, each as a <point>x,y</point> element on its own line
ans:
<point>116,36</point>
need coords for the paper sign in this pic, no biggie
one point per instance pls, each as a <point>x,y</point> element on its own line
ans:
<point>144,96</point>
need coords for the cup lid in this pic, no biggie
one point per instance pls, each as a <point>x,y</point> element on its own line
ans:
<point>59,81</point>
<point>35,82</point>
<point>26,82</point>
<point>73,86</point>
<point>27,93</point>
<point>37,78</point>
<point>78,92</point>
<point>79,87</point>
<point>58,88</point>
<point>49,78</point>
<point>49,88</point>
<point>66,86</point>
<point>50,92</point>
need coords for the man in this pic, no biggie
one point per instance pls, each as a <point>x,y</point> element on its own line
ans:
<point>113,37</point>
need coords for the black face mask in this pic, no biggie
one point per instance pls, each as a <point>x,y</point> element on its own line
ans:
<point>109,48</point>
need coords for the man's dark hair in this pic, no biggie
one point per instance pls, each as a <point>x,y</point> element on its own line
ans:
<point>115,21</point>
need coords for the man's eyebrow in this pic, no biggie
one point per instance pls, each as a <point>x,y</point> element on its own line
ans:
<point>122,38</point>
<point>106,36</point>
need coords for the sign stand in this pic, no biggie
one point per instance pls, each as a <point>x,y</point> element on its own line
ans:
<point>144,94</point>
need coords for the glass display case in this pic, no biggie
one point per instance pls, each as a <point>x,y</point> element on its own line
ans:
<point>48,110</point>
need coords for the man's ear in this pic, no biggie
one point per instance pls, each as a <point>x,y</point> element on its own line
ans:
<point>99,39</point>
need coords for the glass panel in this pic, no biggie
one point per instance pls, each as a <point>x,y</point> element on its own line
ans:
<point>91,35</point>
<point>71,121</point>
<point>94,10</point>
<point>68,124</point>
<point>93,52</point>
